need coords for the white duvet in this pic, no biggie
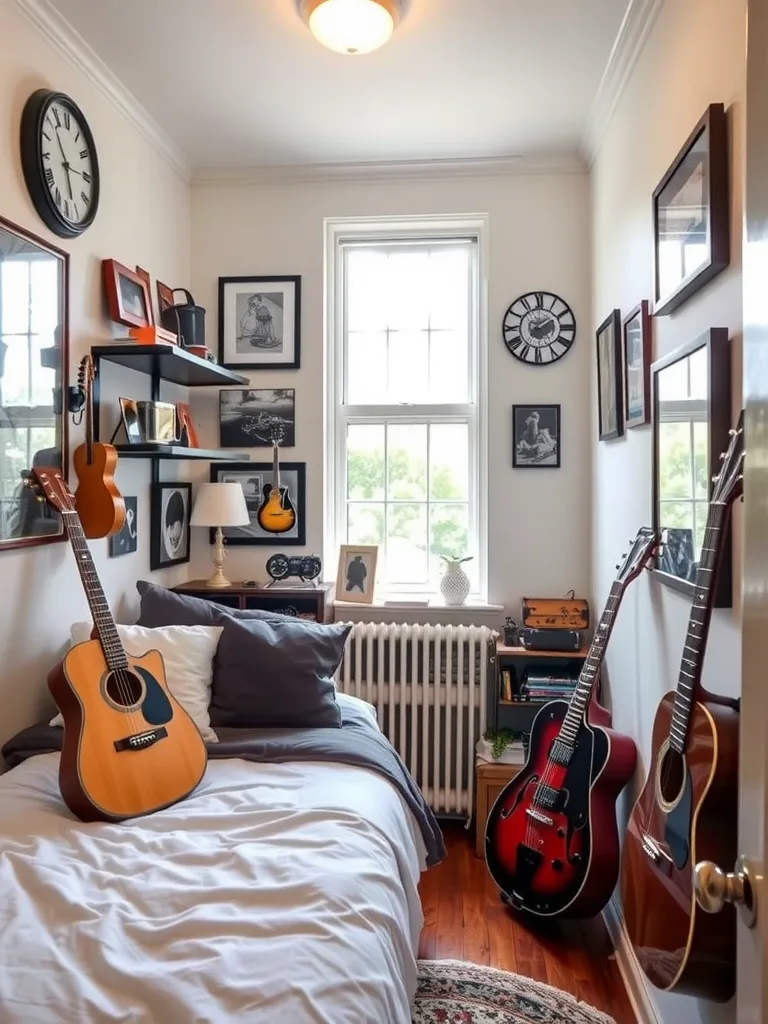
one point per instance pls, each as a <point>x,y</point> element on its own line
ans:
<point>281,893</point>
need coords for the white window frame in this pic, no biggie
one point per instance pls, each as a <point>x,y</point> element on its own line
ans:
<point>393,229</point>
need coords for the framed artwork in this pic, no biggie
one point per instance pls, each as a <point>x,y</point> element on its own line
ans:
<point>164,297</point>
<point>610,397</point>
<point>256,481</point>
<point>129,413</point>
<point>691,217</point>
<point>128,296</point>
<point>259,323</point>
<point>185,426</point>
<point>691,409</point>
<point>535,436</point>
<point>247,416</point>
<point>145,277</point>
<point>356,578</point>
<point>169,540</point>
<point>638,344</point>
<point>125,542</point>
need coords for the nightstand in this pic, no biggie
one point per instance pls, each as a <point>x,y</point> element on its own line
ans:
<point>491,778</point>
<point>313,603</point>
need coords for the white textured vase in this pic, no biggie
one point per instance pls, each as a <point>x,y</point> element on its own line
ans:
<point>454,585</point>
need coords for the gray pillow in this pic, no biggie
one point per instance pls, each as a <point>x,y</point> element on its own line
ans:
<point>162,607</point>
<point>277,674</point>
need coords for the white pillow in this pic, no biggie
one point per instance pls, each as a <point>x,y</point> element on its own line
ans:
<point>188,653</point>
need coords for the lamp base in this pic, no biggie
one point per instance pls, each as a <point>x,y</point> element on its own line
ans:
<point>218,555</point>
<point>218,579</point>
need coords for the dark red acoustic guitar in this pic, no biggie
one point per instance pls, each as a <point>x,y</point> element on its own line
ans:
<point>551,842</point>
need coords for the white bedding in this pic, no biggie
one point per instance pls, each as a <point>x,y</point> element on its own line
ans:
<point>276,892</point>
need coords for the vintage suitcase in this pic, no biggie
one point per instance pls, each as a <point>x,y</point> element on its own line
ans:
<point>555,613</point>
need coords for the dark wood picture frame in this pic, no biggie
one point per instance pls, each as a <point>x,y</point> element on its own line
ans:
<point>717,204</point>
<point>608,432</point>
<point>289,364</point>
<point>156,560</point>
<point>164,298</point>
<point>520,410</point>
<point>61,337</point>
<point>642,313</point>
<point>716,343</point>
<point>113,271</point>
<point>274,540</point>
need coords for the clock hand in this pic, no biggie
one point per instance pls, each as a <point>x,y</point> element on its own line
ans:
<point>65,164</point>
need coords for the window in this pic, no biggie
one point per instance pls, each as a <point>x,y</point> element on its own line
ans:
<point>406,355</point>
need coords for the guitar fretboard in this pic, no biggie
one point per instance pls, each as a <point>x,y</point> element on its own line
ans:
<point>97,601</point>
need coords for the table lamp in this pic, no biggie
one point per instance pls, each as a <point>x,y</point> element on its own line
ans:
<point>220,505</point>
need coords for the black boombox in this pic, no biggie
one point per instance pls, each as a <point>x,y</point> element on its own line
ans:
<point>550,639</point>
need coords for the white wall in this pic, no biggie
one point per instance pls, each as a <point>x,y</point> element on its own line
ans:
<point>143,219</point>
<point>694,56</point>
<point>539,238</point>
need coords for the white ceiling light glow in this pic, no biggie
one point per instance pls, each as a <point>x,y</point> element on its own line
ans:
<point>352,26</point>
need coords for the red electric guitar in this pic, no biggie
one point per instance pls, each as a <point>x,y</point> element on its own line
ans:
<point>551,841</point>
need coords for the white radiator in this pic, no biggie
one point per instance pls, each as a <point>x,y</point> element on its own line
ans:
<point>428,685</point>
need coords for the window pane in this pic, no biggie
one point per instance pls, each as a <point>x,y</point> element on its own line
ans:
<point>366,368</point>
<point>677,515</point>
<point>447,287</point>
<point>14,300</point>
<point>15,386</point>
<point>701,460</point>
<point>406,556</point>
<point>448,536</point>
<point>45,296</point>
<point>408,366</point>
<point>448,367</point>
<point>366,290</point>
<point>407,462</point>
<point>365,523</point>
<point>407,297</point>
<point>365,462</point>
<point>449,462</point>
<point>675,461</point>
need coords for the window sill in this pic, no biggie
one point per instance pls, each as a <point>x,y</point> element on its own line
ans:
<point>436,611</point>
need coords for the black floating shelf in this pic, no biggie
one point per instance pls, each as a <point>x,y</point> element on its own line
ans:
<point>175,451</point>
<point>168,362</point>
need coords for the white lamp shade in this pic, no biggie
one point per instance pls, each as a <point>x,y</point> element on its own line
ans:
<point>220,505</point>
<point>352,26</point>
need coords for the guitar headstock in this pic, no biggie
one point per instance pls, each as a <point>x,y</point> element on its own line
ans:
<point>729,482</point>
<point>86,372</point>
<point>644,548</point>
<point>55,490</point>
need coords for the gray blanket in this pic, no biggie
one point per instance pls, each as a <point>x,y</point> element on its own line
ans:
<point>358,742</point>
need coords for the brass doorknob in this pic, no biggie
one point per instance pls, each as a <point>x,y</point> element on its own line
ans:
<point>715,887</point>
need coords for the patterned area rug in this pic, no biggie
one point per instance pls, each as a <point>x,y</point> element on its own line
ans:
<point>455,992</point>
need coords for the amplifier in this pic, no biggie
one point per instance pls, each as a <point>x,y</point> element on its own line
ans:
<point>551,639</point>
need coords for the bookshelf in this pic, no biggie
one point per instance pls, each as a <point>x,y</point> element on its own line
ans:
<point>513,709</point>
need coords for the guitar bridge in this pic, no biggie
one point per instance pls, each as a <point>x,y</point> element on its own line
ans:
<point>652,849</point>
<point>141,740</point>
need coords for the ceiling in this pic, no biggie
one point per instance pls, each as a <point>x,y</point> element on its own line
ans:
<point>242,83</point>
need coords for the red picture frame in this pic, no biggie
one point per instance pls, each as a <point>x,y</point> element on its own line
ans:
<point>164,297</point>
<point>128,295</point>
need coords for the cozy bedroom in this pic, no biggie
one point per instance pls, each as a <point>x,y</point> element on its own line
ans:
<point>383,511</point>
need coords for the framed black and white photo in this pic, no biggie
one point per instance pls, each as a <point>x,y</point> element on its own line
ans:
<point>256,481</point>
<point>535,436</point>
<point>248,416</point>
<point>169,541</point>
<point>125,541</point>
<point>610,397</point>
<point>356,578</point>
<point>637,366</point>
<point>260,323</point>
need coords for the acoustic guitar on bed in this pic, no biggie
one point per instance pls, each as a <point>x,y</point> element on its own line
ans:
<point>129,747</point>
<point>551,841</point>
<point>276,513</point>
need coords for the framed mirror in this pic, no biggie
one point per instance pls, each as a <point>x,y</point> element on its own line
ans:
<point>691,404</point>
<point>34,356</point>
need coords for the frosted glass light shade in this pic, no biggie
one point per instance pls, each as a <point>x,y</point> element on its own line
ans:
<point>220,505</point>
<point>353,26</point>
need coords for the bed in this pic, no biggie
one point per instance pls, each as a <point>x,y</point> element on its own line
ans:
<point>283,889</point>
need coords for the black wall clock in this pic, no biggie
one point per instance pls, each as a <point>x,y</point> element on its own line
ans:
<point>58,157</point>
<point>539,328</point>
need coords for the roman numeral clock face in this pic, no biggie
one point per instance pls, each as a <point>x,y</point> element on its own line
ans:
<point>539,328</point>
<point>60,163</point>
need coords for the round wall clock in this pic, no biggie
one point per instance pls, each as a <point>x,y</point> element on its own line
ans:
<point>539,328</point>
<point>58,157</point>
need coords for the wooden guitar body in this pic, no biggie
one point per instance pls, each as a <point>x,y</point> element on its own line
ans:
<point>687,812</point>
<point>561,861</point>
<point>129,747</point>
<point>98,501</point>
<point>276,513</point>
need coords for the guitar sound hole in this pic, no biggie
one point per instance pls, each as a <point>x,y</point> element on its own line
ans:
<point>671,775</point>
<point>124,688</point>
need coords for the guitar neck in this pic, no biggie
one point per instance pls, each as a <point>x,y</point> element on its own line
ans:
<point>97,601</point>
<point>276,468</point>
<point>88,423</point>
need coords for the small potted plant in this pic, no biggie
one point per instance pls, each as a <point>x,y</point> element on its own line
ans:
<point>454,585</point>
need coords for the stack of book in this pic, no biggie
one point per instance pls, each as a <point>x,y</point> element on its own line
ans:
<point>547,687</point>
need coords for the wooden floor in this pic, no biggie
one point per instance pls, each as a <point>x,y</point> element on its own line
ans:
<point>464,919</point>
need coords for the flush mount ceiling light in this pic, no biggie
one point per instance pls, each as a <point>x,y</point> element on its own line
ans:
<point>351,26</point>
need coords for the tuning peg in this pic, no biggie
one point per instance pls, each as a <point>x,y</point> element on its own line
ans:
<point>715,478</point>
<point>618,566</point>
<point>722,456</point>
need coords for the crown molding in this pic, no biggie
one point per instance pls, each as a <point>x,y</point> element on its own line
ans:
<point>639,19</point>
<point>48,23</point>
<point>403,170</point>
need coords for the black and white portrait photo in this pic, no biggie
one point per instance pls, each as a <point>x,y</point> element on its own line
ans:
<point>125,542</point>
<point>536,436</point>
<point>170,524</point>
<point>259,322</point>
<point>256,479</point>
<point>356,577</point>
<point>252,417</point>
<point>610,396</point>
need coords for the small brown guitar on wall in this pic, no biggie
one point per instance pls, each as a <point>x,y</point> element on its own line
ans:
<point>129,747</point>
<point>276,513</point>
<point>97,499</point>
<point>688,810</point>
